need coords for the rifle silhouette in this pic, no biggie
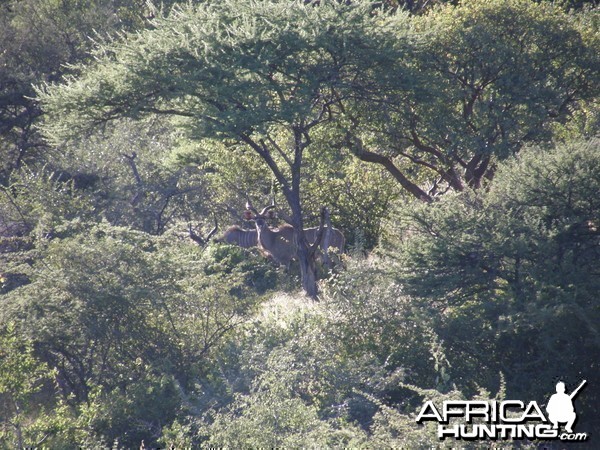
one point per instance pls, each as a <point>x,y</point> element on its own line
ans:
<point>576,391</point>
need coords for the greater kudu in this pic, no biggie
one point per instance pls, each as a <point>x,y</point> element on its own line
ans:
<point>336,238</point>
<point>277,242</point>
<point>280,242</point>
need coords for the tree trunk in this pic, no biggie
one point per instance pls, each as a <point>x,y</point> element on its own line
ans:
<point>326,238</point>
<point>307,269</point>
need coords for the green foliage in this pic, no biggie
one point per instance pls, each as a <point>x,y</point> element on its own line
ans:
<point>375,317</point>
<point>138,184</point>
<point>128,181</point>
<point>22,376</point>
<point>232,261</point>
<point>440,105</point>
<point>124,318</point>
<point>99,285</point>
<point>132,415</point>
<point>268,418</point>
<point>304,383</point>
<point>33,208</point>
<point>293,383</point>
<point>236,63</point>
<point>230,171</point>
<point>40,39</point>
<point>536,226</point>
<point>513,67</point>
<point>514,269</point>
<point>21,372</point>
<point>263,75</point>
<point>493,76</point>
<point>357,194</point>
<point>44,200</point>
<point>116,329</point>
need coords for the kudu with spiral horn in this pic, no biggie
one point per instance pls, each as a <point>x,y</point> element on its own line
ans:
<point>280,242</point>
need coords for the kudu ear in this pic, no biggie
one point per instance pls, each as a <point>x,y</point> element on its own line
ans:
<point>248,215</point>
<point>271,214</point>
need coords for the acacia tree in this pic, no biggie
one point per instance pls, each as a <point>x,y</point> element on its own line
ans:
<point>499,75</point>
<point>39,38</point>
<point>264,74</point>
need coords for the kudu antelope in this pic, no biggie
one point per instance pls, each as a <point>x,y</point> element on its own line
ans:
<point>198,239</point>
<point>280,242</point>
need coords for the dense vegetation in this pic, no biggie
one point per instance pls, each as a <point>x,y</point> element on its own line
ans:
<point>456,144</point>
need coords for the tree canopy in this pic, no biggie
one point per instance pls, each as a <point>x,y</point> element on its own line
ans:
<point>261,73</point>
<point>445,94</point>
<point>454,143</point>
<point>497,75</point>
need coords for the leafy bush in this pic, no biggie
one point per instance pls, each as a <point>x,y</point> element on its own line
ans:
<point>513,271</point>
<point>128,321</point>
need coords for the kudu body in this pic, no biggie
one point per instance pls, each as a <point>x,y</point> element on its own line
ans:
<point>237,236</point>
<point>336,238</point>
<point>277,242</point>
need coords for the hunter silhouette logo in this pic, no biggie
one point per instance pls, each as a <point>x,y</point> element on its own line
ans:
<point>560,406</point>
<point>506,419</point>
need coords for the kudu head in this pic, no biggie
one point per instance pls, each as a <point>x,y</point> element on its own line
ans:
<point>278,242</point>
<point>200,240</point>
<point>260,218</point>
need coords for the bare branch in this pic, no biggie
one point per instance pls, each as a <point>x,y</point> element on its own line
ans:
<point>367,156</point>
<point>138,179</point>
<point>202,241</point>
<point>278,148</point>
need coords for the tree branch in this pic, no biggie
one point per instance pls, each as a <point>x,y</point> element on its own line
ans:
<point>367,156</point>
<point>138,179</point>
<point>278,148</point>
<point>268,158</point>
